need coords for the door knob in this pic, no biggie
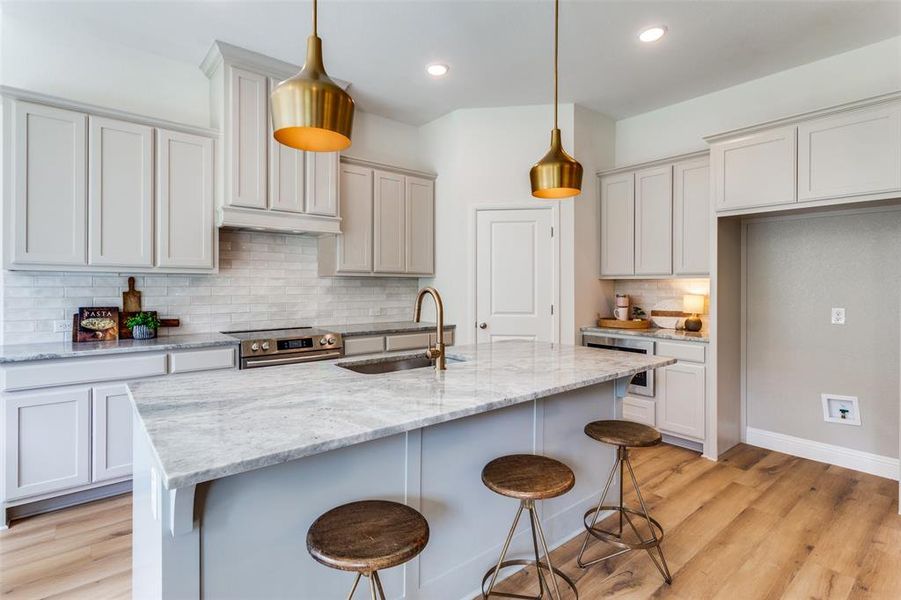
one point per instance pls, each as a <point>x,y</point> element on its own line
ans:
<point>483,325</point>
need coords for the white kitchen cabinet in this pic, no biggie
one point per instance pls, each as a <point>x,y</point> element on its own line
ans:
<point>287,172</point>
<point>691,217</point>
<point>47,441</point>
<point>120,193</point>
<point>185,228</point>
<point>681,399</point>
<point>354,245</point>
<point>654,221</point>
<point>48,158</point>
<point>389,249</point>
<point>246,143</point>
<point>618,224</point>
<point>850,153</point>
<point>111,432</point>
<point>322,183</point>
<point>754,170</point>
<point>420,226</point>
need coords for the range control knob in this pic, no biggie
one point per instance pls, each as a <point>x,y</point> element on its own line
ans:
<point>330,341</point>
<point>322,341</point>
<point>254,347</point>
<point>265,346</point>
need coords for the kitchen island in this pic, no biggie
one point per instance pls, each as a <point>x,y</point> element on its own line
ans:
<point>231,468</point>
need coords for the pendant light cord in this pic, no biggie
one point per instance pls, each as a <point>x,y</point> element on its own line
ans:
<point>315,30</point>
<point>556,43</point>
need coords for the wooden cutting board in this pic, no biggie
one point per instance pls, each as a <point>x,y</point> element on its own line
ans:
<point>131,299</point>
<point>617,324</point>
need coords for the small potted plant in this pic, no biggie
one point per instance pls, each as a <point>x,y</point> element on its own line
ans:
<point>143,325</point>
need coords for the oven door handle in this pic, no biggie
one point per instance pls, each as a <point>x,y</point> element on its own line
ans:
<point>262,362</point>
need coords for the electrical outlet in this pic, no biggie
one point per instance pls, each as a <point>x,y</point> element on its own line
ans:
<point>62,326</point>
<point>838,316</point>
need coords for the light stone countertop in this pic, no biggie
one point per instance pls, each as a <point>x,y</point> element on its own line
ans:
<point>208,425</point>
<point>14,353</point>
<point>698,337</point>
<point>382,328</point>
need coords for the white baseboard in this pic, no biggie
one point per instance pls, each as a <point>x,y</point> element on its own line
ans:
<point>874,464</point>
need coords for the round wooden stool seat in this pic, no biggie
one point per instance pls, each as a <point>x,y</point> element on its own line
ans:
<point>367,536</point>
<point>623,433</point>
<point>528,477</point>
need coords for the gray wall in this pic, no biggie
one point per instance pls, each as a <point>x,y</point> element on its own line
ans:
<point>797,270</point>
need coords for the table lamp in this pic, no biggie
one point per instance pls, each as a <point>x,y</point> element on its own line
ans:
<point>694,305</point>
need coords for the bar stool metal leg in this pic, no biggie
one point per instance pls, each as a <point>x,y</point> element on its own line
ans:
<point>354,588</point>
<point>539,543</point>
<point>617,539</point>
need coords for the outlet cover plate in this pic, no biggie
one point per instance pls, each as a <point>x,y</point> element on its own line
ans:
<point>838,316</point>
<point>62,326</point>
<point>833,404</point>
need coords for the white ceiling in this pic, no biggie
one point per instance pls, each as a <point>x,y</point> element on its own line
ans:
<point>500,51</point>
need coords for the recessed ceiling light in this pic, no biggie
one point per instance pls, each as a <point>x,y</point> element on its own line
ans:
<point>437,70</point>
<point>652,34</point>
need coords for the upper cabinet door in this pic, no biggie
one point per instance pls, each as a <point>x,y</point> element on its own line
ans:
<point>850,154</point>
<point>247,143</point>
<point>185,201</point>
<point>355,242</point>
<point>49,155</point>
<point>120,194</point>
<point>618,225</point>
<point>654,221</point>
<point>691,218</point>
<point>755,170</point>
<point>389,247</point>
<point>420,225</point>
<point>286,172</point>
<point>322,183</point>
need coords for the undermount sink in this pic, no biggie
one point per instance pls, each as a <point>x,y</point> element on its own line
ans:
<point>389,365</point>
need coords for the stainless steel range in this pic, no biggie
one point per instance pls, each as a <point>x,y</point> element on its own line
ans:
<point>270,347</point>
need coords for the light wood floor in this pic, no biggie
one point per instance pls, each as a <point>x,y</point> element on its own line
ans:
<point>757,524</point>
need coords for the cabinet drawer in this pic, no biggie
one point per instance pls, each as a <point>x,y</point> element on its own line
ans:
<point>363,345</point>
<point>201,360</point>
<point>408,341</point>
<point>50,373</point>
<point>640,410</point>
<point>690,352</point>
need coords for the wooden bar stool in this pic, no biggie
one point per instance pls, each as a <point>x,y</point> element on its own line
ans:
<point>528,477</point>
<point>624,435</point>
<point>366,537</point>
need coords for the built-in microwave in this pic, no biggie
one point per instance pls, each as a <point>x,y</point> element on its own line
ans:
<point>642,384</point>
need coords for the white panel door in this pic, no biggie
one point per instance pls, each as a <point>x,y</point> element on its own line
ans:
<point>691,217</point>
<point>355,240</point>
<point>755,170</point>
<point>184,201</point>
<point>111,435</point>
<point>47,441</point>
<point>248,138</point>
<point>420,226</point>
<point>618,225</point>
<point>49,157</point>
<point>120,193</point>
<point>654,221</point>
<point>322,183</point>
<point>389,247</point>
<point>286,172</point>
<point>680,399</point>
<point>850,154</point>
<point>515,258</point>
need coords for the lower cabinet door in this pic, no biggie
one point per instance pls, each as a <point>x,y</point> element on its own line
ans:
<point>680,399</point>
<point>47,441</point>
<point>111,440</point>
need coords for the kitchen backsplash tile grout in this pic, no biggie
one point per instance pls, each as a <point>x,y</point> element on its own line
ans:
<point>264,280</point>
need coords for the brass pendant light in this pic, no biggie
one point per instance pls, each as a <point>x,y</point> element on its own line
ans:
<point>310,111</point>
<point>557,174</point>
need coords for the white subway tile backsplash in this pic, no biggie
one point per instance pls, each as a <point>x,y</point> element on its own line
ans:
<point>264,280</point>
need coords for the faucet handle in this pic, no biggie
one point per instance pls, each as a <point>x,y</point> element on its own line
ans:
<point>433,352</point>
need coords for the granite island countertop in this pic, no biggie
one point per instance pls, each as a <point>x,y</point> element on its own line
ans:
<point>388,328</point>
<point>656,333</point>
<point>208,425</point>
<point>14,353</point>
